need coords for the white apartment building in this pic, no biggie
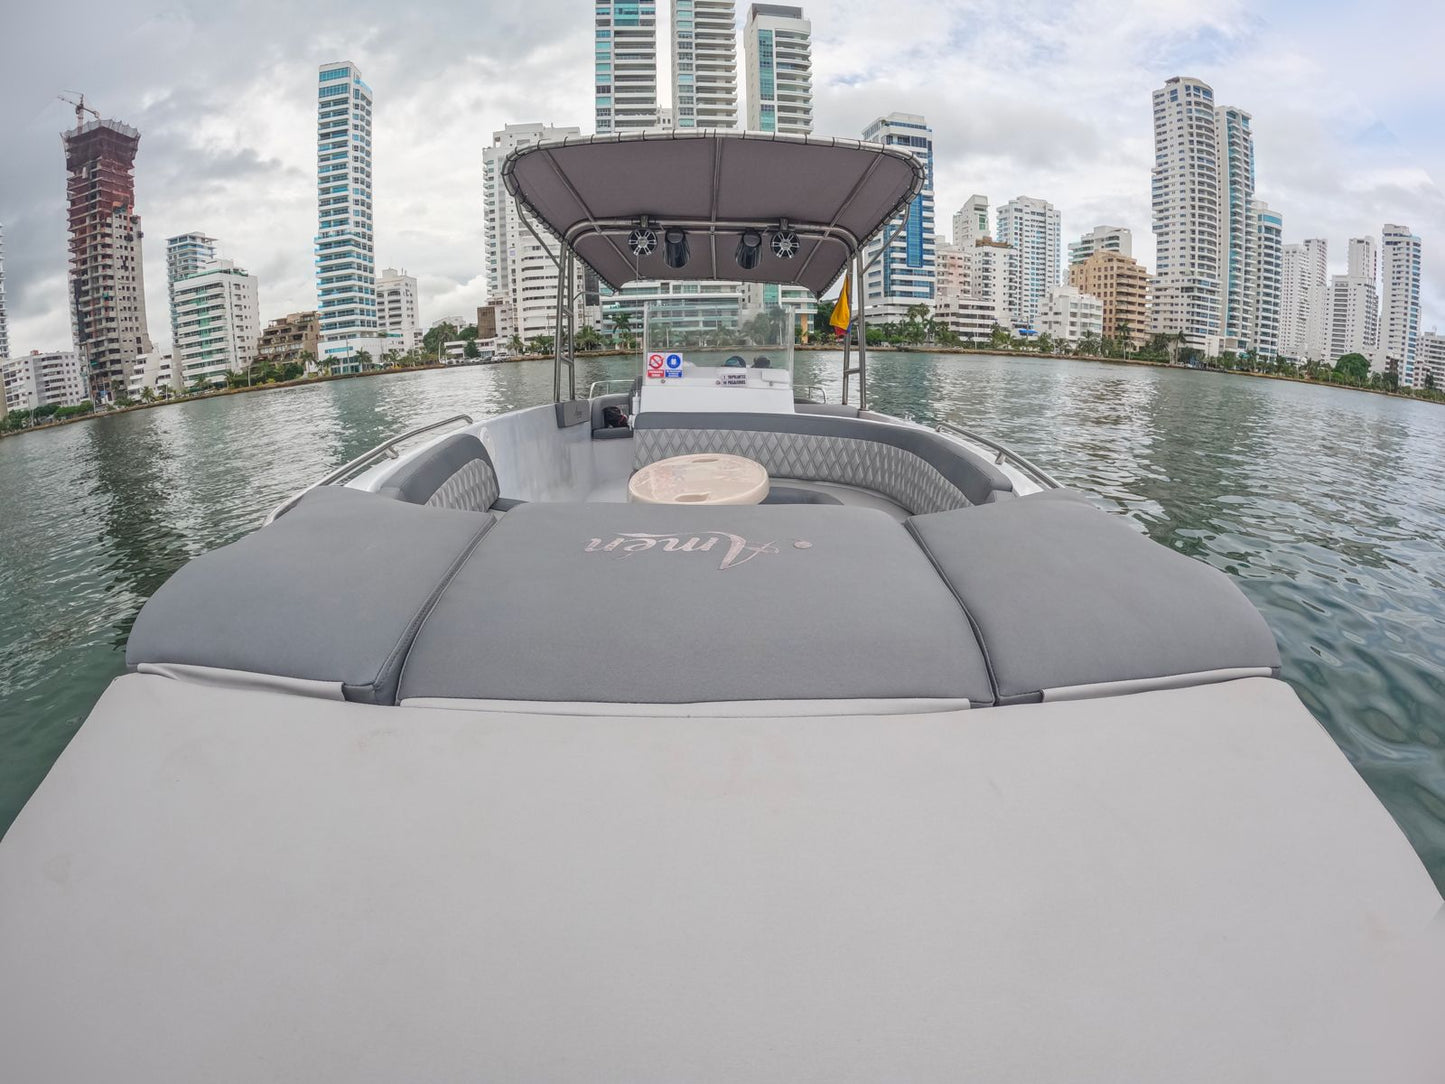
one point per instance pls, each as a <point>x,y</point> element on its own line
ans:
<point>625,65</point>
<point>1031,226</point>
<point>902,276</point>
<point>4,327</point>
<point>1238,231</point>
<point>1429,371</point>
<point>955,304</point>
<point>1067,314</point>
<point>993,271</point>
<point>1266,280</point>
<point>1399,301</point>
<point>1118,239</point>
<point>345,237</point>
<point>519,270</point>
<point>704,64</point>
<point>1188,217</point>
<point>218,320</point>
<point>397,310</point>
<point>778,54</point>
<point>970,222</point>
<point>155,372</point>
<point>1304,289</point>
<point>1355,304</point>
<point>185,254</point>
<point>38,379</point>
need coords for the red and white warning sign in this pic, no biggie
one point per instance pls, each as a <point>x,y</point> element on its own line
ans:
<point>654,366</point>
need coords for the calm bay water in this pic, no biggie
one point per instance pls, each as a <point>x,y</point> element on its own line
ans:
<point>1326,506</point>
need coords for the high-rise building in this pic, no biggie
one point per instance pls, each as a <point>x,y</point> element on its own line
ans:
<point>1399,301</point>
<point>903,275</point>
<point>778,53</point>
<point>397,311</point>
<point>1355,304</point>
<point>345,238</point>
<point>4,329</point>
<point>519,270</point>
<point>1188,215</point>
<point>970,222</point>
<point>704,64</point>
<point>1031,226</point>
<point>1122,286</point>
<point>186,253</point>
<point>1238,231</point>
<point>954,302</point>
<point>218,321</point>
<point>37,379</point>
<point>1266,281</point>
<point>625,65</point>
<point>107,284</point>
<point>1304,287</point>
<point>993,278</point>
<point>1118,239</point>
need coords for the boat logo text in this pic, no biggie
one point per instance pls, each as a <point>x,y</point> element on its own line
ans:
<point>736,550</point>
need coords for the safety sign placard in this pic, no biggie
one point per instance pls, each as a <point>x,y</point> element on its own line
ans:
<point>674,361</point>
<point>654,361</point>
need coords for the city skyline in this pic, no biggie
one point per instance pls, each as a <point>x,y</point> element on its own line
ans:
<point>204,161</point>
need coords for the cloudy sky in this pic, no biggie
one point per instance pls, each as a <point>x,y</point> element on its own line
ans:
<point>1048,99</point>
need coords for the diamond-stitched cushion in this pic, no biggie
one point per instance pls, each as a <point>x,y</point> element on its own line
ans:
<point>896,473</point>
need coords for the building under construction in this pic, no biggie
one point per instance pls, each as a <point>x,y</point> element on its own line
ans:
<point>107,286</point>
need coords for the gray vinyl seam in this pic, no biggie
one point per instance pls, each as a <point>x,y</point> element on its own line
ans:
<point>408,636</point>
<point>972,624</point>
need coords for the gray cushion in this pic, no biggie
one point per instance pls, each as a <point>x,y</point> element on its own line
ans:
<point>626,603</point>
<point>453,473</point>
<point>333,591</point>
<point>916,468</point>
<point>1063,594</point>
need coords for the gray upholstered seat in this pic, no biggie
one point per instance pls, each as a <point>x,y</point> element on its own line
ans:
<point>657,604</point>
<point>330,594</point>
<point>1065,597</point>
<point>918,469</point>
<point>453,473</point>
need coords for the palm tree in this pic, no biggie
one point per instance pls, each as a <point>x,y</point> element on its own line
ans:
<point>515,344</point>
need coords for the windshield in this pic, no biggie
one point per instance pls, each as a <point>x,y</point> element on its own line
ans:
<point>738,340</point>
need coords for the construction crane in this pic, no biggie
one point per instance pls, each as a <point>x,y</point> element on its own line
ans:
<point>80,107</point>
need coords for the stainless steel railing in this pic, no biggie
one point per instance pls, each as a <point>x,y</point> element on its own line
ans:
<point>385,450</point>
<point>1003,454</point>
<point>610,386</point>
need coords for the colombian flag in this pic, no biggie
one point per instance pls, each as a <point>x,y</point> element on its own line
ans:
<point>842,314</point>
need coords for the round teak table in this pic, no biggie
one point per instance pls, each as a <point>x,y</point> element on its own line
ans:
<point>705,478</point>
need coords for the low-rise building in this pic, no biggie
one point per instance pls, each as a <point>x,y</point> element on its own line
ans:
<point>294,337</point>
<point>153,372</point>
<point>970,318</point>
<point>1067,314</point>
<point>217,323</point>
<point>1429,370</point>
<point>396,309</point>
<point>41,379</point>
<point>1122,285</point>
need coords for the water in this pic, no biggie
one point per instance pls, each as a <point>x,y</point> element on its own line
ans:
<point>1327,507</point>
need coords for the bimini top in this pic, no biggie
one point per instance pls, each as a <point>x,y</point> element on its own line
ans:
<point>738,206</point>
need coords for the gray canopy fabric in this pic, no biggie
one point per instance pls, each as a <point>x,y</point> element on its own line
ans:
<point>835,194</point>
